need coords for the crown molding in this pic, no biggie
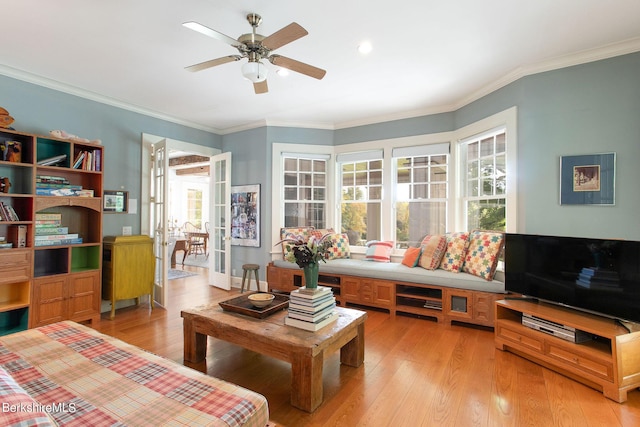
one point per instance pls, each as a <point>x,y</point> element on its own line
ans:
<point>583,57</point>
<point>589,55</point>
<point>92,96</point>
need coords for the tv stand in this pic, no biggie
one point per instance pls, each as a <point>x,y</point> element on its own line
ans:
<point>608,362</point>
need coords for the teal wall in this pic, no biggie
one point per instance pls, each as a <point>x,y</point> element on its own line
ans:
<point>584,109</point>
<point>589,108</point>
<point>38,110</point>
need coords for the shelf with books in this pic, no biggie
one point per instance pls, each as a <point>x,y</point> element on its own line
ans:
<point>60,275</point>
<point>87,157</point>
<point>17,209</point>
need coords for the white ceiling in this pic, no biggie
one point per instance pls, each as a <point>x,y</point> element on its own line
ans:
<point>428,56</point>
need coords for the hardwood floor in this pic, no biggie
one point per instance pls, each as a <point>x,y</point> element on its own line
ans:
<point>416,373</point>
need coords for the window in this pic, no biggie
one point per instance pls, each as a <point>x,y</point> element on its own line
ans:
<point>361,196</point>
<point>421,192</point>
<point>194,207</point>
<point>305,191</point>
<point>484,162</point>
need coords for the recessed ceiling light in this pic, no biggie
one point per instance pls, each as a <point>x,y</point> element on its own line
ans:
<point>282,72</point>
<point>365,47</point>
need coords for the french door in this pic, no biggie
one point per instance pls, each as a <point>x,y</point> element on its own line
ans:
<point>220,225</point>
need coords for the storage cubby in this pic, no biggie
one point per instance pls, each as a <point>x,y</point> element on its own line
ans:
<point>419,299</point>
<point>51,261</point>
<point>47,148</point>
<point>14,321</point>
<point>22,206</point>
<point>20,176</point>
<point>607,362</point>
<point>85,258</point>
<point>14,295</point>
<point>24,146</point>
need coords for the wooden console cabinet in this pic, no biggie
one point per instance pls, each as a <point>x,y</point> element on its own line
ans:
<point>609,362</point>
<point>436,302</point>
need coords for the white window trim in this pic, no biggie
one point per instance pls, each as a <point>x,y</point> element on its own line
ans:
<point>508,120</point>
<point>387,145</point>
<point>455,219</point>
<point>277,179</point>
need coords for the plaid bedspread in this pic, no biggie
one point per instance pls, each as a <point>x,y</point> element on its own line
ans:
<point>80,377</point>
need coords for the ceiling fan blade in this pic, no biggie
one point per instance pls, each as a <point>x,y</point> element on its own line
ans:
<point>297,66</point>
<point>212,33</point>
<point>212,63</point>
<point>261,87</point>
<point>284,36</point>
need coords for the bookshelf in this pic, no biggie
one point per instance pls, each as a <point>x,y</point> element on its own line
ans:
<point>49,275</point>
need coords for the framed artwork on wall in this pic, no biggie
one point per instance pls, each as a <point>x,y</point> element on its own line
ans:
<point>245,215</point>
<point>588,179</point>
<point>115,201</point>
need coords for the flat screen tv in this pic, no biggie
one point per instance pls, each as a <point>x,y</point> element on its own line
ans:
<point>596,275</point>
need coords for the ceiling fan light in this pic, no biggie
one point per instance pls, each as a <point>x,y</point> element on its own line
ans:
<point>254,71</point>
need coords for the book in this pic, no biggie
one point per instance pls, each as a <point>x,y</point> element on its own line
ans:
<point>311,317</point>
<point>311,293</point>
<point>54,160</point>
<point>51,179</point>
<point>311,303</point>
<point>48,216</point>
<point>311,309</point>
<point>18,235</point>
<point>41,231</point>
<point>312,326</point>
<point>56,236</point>
<point>47,223</point>
<point>58,242</point>
<point>57,191</point>
<point>79,159</point>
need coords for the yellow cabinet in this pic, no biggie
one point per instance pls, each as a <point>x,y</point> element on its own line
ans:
<point>128,266</point>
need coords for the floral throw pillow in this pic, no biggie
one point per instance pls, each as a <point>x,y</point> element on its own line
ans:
<point>453,258</point>
<point>339,247</point>
<point>379,251</point>
<point>293,233</point>
<point>483,253</point>
<point>433,249</point>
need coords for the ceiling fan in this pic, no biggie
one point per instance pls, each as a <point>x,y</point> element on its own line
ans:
<point>255,48</point>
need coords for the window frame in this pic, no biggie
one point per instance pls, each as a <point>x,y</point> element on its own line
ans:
<point>456,218</point>
<point>506,120</point>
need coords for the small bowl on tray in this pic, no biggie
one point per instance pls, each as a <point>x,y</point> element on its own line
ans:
<point>261,299</point>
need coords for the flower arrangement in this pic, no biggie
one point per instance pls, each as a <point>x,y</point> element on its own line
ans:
<point>305,253</point>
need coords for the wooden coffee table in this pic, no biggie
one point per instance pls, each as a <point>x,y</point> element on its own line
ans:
<point>306,351</point>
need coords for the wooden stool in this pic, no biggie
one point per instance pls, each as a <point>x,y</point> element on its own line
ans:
<point>246,271</point>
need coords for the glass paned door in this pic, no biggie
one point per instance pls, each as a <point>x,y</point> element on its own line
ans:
<point>220,227</point>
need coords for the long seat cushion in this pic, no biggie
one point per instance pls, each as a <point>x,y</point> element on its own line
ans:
<point>398,272</point>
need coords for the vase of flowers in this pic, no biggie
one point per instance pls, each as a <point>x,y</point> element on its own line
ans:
<point>308,254</point>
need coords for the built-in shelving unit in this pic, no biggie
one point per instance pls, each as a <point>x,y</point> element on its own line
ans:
<point>430,301</point>
<point>42,282</point>
<point>608,361</point>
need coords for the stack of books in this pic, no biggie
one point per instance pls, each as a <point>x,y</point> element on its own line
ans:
<point>7,213</point>
<point>50,232</point>
<point>90,160</point>
<point>599,279</point>
<point>311,309</point>
<point>59,186</point>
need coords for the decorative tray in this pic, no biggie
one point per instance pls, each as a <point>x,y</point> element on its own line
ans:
<point>242,305</point>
